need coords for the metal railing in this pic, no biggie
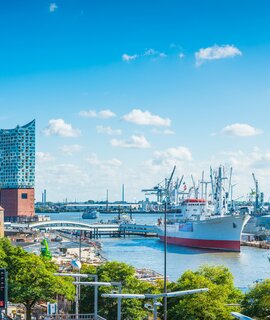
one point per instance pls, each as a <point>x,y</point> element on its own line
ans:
<point>89,316</point>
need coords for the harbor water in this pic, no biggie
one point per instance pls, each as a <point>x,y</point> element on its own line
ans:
<point>248,266</point>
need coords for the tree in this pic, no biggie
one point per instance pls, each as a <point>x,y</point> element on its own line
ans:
<point>209,305</point>
<point>31,278</point>
<point>256,302</point>
<point>132,309</point>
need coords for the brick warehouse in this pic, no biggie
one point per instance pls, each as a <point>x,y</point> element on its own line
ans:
<point>17,172</point>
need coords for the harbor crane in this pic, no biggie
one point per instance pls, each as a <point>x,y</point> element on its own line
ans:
<point>259,197</point>
<point>166,189</point>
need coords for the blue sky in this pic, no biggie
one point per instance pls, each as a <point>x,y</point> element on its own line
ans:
<point>186,82</point>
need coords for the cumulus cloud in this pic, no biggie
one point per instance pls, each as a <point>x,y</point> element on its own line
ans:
<point>148,53</point>
<point>109,131</point>
<point>178,153</point>
<point>94,160</point>
<point>44,157</point>
<point>138,142</point>
<point>103,114</point>
<point>241,130</point>
<point>58,127</point>
<point>146,118</point>
<point>215,53</point>
<point>165,160</point>
<point>53,7</point>
<point>71,148</point>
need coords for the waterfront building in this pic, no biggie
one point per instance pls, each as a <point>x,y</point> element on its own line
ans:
<point>17,171</point>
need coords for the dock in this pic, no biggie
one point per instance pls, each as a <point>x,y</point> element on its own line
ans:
<point>256,244</point>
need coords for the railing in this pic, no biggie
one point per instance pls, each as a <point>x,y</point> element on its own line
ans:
<point>73,317</point>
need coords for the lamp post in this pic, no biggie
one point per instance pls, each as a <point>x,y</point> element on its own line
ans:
<point>167,187</point>
<point>76,276</point>
<point>240,316</point>
<point>97,284</point>
<point>156,304</point>
<point>119,297</point>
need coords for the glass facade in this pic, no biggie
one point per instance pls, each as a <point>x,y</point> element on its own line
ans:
<point>17,157</point>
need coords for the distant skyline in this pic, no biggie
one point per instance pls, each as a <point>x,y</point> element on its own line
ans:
<point>123,91</point>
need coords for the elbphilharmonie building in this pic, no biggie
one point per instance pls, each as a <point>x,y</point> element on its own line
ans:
<point>17,171</point>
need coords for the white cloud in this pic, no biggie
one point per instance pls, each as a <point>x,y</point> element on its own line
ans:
<point>241,130</point>
<point>148,52</point>
<point>94,160</point>
<point>163,161</point>
<point>138,142</point>
<point>181,55</point>
<point>53,7</point>
<point>109,131</point>
<point>145,118</point>
<point>58,127</point>
<point>165,132</point>
<point>103,114</point>
<point>127,57</point>
<point>70,149</point>
<point>215,53</point>
<point>44,157</point>
<point>106,114</point>
<point>115,162</point>
<point>178,153</point>
<point>88,114</point>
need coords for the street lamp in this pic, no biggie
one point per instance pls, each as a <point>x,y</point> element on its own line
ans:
<point>156,304</point>
<point>97,284</point>
<point>119,297</point>
<point>77,276</point>
<point>240,316</point>
<point>167,187</point>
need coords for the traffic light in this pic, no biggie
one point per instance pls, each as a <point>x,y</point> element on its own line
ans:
<point>3,288</point>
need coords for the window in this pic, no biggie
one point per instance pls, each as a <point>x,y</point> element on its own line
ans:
<point>24,195</point>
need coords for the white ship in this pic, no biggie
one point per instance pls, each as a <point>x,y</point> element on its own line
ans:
<point>196,224</point>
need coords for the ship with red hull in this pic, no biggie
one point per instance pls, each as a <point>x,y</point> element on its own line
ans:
<point>196,223</point>
<point>219,233</point>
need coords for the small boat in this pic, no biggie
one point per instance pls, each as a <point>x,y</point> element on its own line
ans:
<point>90,214</point>
<point>122,218</point>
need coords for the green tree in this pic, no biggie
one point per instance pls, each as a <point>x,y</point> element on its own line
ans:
<point>256,302</point>
<point>209,305</point>
<point>117,272</point>
<point>30,278</point>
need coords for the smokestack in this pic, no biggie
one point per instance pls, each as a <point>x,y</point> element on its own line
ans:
<point>123,193</point>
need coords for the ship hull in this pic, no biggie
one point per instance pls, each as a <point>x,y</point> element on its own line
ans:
<point>225,245</point>
<point>220,233</point>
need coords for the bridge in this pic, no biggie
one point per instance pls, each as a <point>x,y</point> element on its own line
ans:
<point>71,225</point>
<point>96,230</point>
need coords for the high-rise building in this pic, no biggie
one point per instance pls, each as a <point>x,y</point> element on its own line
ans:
<point>17,171</point>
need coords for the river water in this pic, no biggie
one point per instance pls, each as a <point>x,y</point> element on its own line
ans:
<point>250,265</point>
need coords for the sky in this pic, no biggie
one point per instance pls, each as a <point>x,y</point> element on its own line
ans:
<point>122,91</point>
